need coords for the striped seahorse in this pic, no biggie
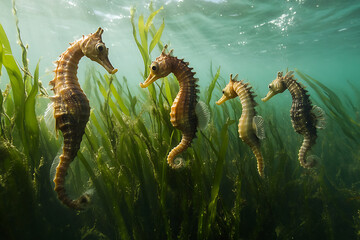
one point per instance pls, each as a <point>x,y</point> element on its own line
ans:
<point>250,128</point>
<point>305,117</point>
<point>184,114</point>
<point>71,106</point>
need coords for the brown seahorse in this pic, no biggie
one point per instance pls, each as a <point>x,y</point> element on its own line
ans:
<point>305,117</point>
<point>250,127</point>
<point>183,114</point>
<point>71,106</point>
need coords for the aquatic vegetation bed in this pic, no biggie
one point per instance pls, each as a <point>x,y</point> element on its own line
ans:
<point>135,195</point>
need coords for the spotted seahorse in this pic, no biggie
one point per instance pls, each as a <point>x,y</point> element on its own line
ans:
<point>250,127</point>
<point>305,117</point>
<point>184,115</point>
<point>71,106</point>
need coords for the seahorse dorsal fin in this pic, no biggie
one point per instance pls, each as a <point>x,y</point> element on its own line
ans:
<point>49,116</point>
<point>319,116</point>
<point>258,126</point>
<point>203,114</point>
<point>312,160</point>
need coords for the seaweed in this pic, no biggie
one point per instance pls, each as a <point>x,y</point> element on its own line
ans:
<point>218,195</point>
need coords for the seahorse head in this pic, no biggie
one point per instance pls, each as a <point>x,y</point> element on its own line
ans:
<point>277,86</point>
<point>228,91</point>
<point>93,47</point>
<point>159,68</point>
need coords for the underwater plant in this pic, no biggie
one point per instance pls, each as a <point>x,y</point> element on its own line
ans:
<point>19,108</point>
<point>305,117</point>
<point>71,106</point>
<point>251,128</point>
<point>122,160</point>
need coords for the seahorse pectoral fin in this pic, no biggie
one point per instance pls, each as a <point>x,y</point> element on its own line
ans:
<point>203,114</point>
<point>258,126</point>
<point>222,100</point>
<point>269,95</point>
<point>151,78</point>
<point>319,116</point>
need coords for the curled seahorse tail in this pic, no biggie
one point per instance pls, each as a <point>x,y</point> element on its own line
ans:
<point>182,146</point>
<point>305,147</point>
<point>260,160</point>
<point>59,180</point>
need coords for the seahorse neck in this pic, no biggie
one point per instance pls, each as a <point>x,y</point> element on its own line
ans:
<point>294,88</point>
<point>67,65</point>
<point>246,98</point>
<point>181,71</point>
<point>183,115</point>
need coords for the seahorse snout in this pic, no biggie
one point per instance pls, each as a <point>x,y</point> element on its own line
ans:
<point>269,95</point>
<point>105,62</point>
<point>222,100</point>
<point>152,78</point>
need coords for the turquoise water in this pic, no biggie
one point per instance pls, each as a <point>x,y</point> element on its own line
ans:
<point>219,195</point>
<point>253,38</point>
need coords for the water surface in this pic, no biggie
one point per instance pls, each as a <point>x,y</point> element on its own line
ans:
<point>253,38</point>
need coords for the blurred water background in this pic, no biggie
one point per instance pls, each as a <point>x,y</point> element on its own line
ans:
<point>253,38</point>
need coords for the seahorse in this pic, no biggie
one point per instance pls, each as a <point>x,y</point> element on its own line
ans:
<point>71,106</point>
<point>184,111</point>
<point>251,126</point>
<point>305,117</point>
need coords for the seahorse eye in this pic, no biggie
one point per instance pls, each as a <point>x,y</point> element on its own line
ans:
<point>223,92</point>
<point>269,86</point>
<point>100,47</point>
<point>154,66</point>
